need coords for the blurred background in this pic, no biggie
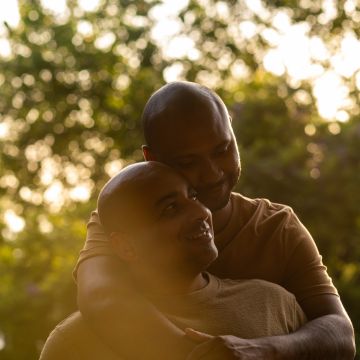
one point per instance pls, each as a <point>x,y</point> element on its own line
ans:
<point>74,77</point>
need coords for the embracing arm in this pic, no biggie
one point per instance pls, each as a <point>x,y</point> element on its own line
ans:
<point>329,336</point>
<point>124,320</point>
<point>329,333</point>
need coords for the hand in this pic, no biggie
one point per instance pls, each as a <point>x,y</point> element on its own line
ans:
<point>227,347</point>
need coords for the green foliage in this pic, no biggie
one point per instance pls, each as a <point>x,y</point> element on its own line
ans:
<point>72,96</point>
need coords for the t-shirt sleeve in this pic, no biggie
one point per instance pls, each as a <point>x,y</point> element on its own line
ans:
<point>96,243</point>
<point>305,273</point>
<point>56,349</point>
<point>299,318</point>
<point>72,339</point>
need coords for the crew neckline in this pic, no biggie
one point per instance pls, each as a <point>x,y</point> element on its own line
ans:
<point>209,291</point>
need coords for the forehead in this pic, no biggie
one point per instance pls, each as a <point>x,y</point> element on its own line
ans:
<point>148,191</point>
<point>193,131</point>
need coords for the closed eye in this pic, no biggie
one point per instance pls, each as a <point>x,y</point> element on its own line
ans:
<point>222,150</point>
<point>185,163</point>
<point>169,208</point>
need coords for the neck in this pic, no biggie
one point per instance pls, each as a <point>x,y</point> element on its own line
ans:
<point>222,217</point>
<point>168,284</point>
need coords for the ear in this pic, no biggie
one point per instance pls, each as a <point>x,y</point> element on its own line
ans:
<point>148,154</point>
<point>123,247</point>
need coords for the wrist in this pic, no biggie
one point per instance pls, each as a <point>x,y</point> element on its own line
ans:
<point>276,347</point>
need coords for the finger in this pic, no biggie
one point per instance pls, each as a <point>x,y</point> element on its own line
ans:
<point>202,351</point>
<point>197,336</point>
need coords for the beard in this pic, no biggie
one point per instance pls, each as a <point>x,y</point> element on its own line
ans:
<point>216,200</point>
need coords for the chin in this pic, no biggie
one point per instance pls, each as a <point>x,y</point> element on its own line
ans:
<point>206,258</point>
<point>216,203</point>
<point>212,257</point>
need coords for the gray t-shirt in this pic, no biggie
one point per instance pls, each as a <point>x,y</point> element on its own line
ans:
<point>243,308</point>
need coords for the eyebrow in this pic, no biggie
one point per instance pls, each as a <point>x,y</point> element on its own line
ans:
<point>190,156</point>
<point>165,198</point>
<point>224,143</point>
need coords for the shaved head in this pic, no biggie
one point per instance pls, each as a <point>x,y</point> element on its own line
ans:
<point>155,222</point>
<point>187,127</point>
<point>117,200</point>
<point>177,100</point>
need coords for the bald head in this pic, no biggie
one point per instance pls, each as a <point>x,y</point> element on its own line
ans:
<point>155,222</point>
<point>178,100</point>
<point>119,198</point>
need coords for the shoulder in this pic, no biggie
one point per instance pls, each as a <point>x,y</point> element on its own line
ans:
<point>65,330</point>
<point>263,213</point>
<point>252,285</point>
<point>270,288</point>
<point>257,289</point>
<point>254,205</point>
<point>60,341</point>
<point>73,339</point>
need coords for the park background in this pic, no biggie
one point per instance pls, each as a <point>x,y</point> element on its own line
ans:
<point>74,77</point>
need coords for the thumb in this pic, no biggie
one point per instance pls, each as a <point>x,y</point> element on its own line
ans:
<point>197,336</point>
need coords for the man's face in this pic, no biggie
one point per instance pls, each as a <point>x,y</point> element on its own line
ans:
<point>172,231</point>
<point>203,149</point>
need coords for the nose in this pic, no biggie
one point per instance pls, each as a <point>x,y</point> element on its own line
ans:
<point>210,172</point>
<point>200,212</point>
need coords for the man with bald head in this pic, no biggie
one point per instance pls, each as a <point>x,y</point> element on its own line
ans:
<point>187,127</point>
<point>163,236</point>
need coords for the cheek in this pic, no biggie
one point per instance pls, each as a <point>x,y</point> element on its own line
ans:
<point>165,239</point>
<point>231,164</point>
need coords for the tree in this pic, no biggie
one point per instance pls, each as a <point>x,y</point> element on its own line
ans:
<point>72,95</point>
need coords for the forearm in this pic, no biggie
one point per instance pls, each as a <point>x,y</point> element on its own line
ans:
<point>327,337</point>
<point>124,320</point>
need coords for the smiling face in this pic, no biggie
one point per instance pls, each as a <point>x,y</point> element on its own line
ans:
<point>168,229</point>
<point>195,137</point>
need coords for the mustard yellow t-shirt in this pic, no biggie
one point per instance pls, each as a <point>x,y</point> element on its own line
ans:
<point>244,308</point>
<point>263,240</point>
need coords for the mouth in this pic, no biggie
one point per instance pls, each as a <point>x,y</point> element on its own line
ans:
<point>204,233</point>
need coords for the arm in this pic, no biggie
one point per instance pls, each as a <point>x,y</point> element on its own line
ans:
<point>122,318</point>
<point>329,336</point>
<point>329,333</point>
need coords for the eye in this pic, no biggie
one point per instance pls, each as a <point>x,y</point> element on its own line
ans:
<point>169,208</point>
<point>185,162</point>
<point>193,195</point>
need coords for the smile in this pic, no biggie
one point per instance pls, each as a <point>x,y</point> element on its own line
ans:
<point>202,232</point>
<point>205,234</point>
